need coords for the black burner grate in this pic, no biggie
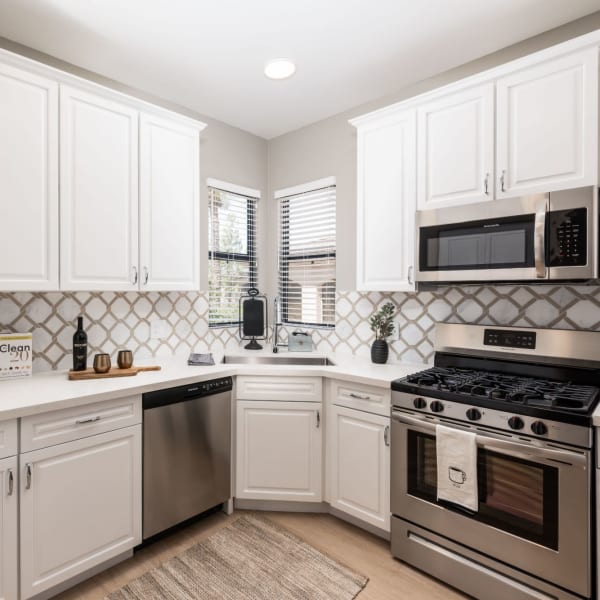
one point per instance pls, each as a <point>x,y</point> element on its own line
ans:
<point>510,389</point>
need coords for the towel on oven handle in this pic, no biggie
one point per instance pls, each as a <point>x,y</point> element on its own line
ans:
<point>457,467</point>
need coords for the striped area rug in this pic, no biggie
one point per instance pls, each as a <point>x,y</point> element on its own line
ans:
<point>250,559</point>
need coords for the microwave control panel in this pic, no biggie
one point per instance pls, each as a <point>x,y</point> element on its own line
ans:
<point>567,238</point>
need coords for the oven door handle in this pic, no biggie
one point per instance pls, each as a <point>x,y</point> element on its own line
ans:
<point>515,449</point>
<point>539,238</point>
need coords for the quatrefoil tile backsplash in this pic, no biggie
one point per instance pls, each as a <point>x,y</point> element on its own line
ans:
<point>122,320</point>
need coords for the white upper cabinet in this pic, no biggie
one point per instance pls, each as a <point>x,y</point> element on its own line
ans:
<point>547,126</point>
<point>169,205</point>
<point>28,181</point>
<point>386,201</point>
<point>99,193</point>
<point>455,155</point>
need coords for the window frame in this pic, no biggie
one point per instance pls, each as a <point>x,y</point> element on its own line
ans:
<point>251,257</point>
<point>284,258</point>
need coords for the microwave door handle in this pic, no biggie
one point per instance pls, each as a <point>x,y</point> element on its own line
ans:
<point>511,448</point>
<point>539,240</point>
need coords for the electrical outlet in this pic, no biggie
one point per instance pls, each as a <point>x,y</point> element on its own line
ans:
<point>158,329</point>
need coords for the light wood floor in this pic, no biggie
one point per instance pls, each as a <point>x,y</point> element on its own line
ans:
<point>389,579</point>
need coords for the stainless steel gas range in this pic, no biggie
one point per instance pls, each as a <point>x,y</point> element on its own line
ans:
<point>528,396</point>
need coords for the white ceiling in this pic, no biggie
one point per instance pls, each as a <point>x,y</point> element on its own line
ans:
<point>208,55</point>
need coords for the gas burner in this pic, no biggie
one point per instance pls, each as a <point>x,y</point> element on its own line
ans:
<point>505,388</point>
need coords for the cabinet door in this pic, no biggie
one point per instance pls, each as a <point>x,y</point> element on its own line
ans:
<point>547,126</point>
<point>169,205</point>
<point>359,478</point>
<point>8,529</point>
<point>455,153</point>
<point>28,181</point>
<point>279,451</point>
<point>99,193</point>
<point>386,203</point>
<point>81,504</point>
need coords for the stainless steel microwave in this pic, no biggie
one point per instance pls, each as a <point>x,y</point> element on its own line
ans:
<point>533,238</point>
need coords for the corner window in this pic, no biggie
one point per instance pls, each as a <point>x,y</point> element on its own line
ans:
<point>307,254</point>
<point>232,267</point>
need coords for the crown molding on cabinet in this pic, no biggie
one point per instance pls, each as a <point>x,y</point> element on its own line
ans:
<point>62,77</point>
<point>577,44</point>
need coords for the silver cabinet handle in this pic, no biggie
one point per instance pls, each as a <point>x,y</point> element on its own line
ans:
<point>28,475</point>
<point>11,482</point>
<point>88,420</point>
<point>485,184</point>
<point>135,275</point>
<point>146,275</point>
<point>386,435</point>
<point>409,275</point>
<point>318,419</point>
<point>502,181</point>
<point>359,397</point>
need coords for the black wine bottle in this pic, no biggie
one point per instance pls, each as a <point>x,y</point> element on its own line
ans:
<point>80,347</point>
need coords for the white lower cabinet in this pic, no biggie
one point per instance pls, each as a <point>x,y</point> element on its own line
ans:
<point>359,463</point>
<point>279,446</point>
<point>80,506</point>
<point>8,529</point>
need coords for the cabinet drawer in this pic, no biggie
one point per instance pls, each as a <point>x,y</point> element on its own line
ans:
<point>363,397</point>
<point>57,427</point>
<point>298,389</point>
<point>8,438</point>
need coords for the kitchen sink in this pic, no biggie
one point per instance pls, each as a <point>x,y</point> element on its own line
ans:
<point>278,360</point>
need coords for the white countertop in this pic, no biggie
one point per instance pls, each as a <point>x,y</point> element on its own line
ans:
<point>53,390</point>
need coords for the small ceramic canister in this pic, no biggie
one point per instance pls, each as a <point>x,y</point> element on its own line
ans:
<point>102,363</point>
<point>125,359</point>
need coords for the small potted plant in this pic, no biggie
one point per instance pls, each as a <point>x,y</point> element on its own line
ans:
<point>382,324</point>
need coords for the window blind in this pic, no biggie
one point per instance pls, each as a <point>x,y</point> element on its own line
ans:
<point>307,249</point>
<point>232,267</point>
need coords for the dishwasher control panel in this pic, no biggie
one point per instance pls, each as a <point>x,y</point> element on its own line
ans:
<point>187,392</point>
<point>213,386</point>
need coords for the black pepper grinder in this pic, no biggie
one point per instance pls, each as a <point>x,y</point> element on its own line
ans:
<point>80,347</point>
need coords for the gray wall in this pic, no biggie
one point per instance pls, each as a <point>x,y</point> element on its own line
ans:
<point>328,147</point>
<point>227,153</point>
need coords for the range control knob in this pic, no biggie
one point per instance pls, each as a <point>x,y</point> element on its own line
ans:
<point>436,406</point>
<point>419,403</point>
<point>516,423</point>
<point>473,414</point>
<point>539,428</point>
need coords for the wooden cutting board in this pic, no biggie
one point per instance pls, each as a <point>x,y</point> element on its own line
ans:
<point>114,372</point>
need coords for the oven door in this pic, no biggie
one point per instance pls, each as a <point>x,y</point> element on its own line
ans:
<point>534,500</point>
<point>491,241</point>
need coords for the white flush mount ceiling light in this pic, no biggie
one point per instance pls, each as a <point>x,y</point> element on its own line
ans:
<point>280,68</point>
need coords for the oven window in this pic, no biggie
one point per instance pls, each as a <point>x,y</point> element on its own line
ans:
<point>490,244</point>
<point>515,495</point>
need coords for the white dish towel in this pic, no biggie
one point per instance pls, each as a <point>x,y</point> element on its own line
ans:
<point>457,467</point>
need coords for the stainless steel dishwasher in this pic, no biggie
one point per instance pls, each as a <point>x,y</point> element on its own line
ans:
<point>187,452</point>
